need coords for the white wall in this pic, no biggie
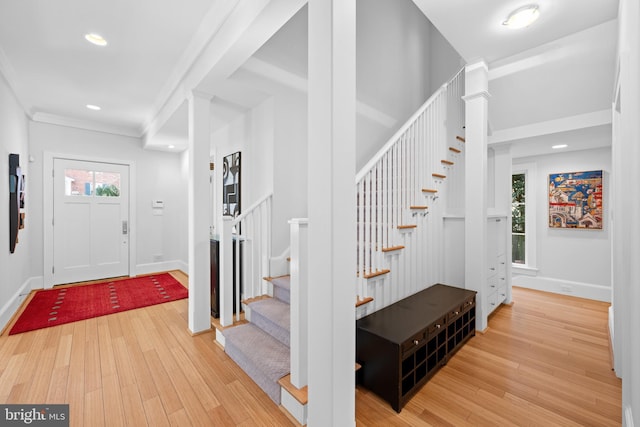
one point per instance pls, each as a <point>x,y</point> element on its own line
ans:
<point>290,167</point>
<point>14,268</point>
<point>158,176</point>
<point>272,139</point>
<point>401,59</point>
<point>570,261</point>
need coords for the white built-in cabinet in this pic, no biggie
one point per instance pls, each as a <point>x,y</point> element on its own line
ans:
<point>497,288</point>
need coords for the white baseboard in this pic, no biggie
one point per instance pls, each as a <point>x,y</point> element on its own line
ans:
<point>9,309</point>
<point>564,287</point>
<point>628,416</point>
<point>155,267</point>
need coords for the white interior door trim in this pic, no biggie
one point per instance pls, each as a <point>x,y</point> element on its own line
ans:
<point>47,226</point>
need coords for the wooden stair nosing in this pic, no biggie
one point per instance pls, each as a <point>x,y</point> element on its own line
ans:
<point>407,226</point>
<point>418,208</point>
<point>446,162</point>
<point>300,394</point>
<point>455,150</point>
<point>376,274</point>
<point>363,301</point>
<point>461,138</point>
<point>429,190</point>
<point>438,175</point>
<point>392,248</point>
<point>270,278</point>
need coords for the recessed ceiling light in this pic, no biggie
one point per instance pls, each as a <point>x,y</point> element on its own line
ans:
<point>556,147</point>
<point>522,17</point>
<point>96,39</point>
<point>93,107</point>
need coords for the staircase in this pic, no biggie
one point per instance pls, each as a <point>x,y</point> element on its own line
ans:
<point>401,196</point>
<point>261,347</point>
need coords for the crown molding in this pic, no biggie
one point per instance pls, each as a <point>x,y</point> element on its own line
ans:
<point>7,73</point>
<point>55,119</point>
<point>209,27</point>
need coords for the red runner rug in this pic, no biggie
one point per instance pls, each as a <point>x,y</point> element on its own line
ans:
<point>53,307</point>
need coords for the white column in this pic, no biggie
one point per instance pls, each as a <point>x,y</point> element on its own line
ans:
<point>198,206</point>
<point>299,265</point>
<point>626,203</point>
<point>475,238</point>
<point>332,209</point>
<point>225,264</point>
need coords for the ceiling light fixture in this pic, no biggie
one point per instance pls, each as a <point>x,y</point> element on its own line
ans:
<point>171,146</point>
<point>522,17</point>
<point>556,147</point>
<point>96,39</point>
<point>93,107</point>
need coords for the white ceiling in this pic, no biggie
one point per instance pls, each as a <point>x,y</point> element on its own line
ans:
<point>153,45</point>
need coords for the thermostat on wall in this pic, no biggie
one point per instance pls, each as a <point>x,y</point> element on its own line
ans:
<point>158,204</point>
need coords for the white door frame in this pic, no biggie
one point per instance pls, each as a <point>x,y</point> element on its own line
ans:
<point>47,214</point>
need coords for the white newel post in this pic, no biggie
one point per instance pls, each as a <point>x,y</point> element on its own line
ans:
<point>475,223</point>
<point>226,271</point>
<point>332,216</point>
<point>198,207</point>
<point>299,301</point>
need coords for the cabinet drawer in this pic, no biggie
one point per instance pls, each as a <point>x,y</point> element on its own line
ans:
<point>413,342</point>
<point>453,314</point>
<point>436,327</point>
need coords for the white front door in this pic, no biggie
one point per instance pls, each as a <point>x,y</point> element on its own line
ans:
<point>90,220</point>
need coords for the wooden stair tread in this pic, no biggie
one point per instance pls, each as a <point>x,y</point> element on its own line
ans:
<point>363,301</point>
<point>392,248</point>
<point>455,150</point>
<point>446,162</point>
<point>407,226</point>
<point>376,273</point>
<point>254,299</point>
<point>270,278</point>
<point>419,208</point>
<point>438,175</point>
<point>300,394</point>
<point>215,322</point>
<point>461,138</point>
<point>429,190</point>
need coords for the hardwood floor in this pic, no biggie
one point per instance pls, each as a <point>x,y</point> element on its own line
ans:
<point>543,361</point>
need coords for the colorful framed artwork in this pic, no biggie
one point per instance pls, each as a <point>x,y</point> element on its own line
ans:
<point>575,200</point>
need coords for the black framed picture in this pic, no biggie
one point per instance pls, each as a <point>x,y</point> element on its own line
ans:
<point>231,185</point>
